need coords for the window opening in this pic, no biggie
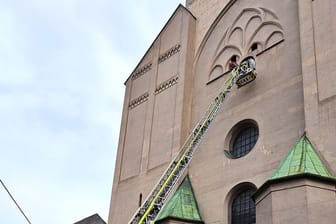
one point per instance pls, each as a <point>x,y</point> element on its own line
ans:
<point>243,209</point>
<point>244,141</point>
<point>254,47</point>
<point>140,199</point>
<point>233,62</point>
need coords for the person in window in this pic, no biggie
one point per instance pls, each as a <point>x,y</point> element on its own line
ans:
<point>233,63</point>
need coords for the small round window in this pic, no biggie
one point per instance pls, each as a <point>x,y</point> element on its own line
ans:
<point>241,139</point>
<point>244,141</point>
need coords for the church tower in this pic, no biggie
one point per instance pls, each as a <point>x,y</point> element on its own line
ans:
<point>242,170</point>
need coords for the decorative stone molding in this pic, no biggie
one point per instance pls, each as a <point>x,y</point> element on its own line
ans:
<point>169,53</point>
<point>141,99</point>
<point>166,84</point>
<point>252,26</point>
<point>142,70</point>
<point>258,27</point>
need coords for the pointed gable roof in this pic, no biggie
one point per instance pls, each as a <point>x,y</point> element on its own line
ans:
<point>302,159</point>
<point>182,205</point>
<point>93,219</point>
<point>179,7</point>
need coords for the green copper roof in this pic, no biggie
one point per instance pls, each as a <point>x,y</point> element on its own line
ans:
<point>300,160</point>
<point>182,205</point>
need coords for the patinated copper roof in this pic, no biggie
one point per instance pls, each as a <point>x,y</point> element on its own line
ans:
<point>182,205</point>
<point>302,159</point>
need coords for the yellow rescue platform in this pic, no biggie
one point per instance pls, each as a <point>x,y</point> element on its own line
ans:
<point>247,67</point>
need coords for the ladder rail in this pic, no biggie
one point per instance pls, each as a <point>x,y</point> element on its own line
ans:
<point>190,143</point>
<point>175,169</point>
<point>170,169</point>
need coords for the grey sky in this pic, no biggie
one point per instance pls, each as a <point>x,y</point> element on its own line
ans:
<point>62,68</point>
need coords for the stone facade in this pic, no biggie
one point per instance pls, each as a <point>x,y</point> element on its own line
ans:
<point>185,68</point>
<point>299,200</point>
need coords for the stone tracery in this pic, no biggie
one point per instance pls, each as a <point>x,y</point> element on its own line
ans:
<point>253,25</point>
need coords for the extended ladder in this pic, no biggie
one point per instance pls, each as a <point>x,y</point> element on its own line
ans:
<point>147,213</point>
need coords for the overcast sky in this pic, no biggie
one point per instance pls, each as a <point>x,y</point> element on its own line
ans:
<point>62,68</point>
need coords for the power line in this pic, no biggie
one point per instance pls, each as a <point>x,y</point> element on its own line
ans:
<point>17,205</point>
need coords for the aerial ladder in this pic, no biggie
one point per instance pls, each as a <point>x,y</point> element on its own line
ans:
<point>241,75</point>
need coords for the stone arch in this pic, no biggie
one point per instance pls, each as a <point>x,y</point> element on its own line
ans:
<point>245,14</point>
<point>263,33</point>
<point>229,50</point>
<point>222,60</point>
<point>236,37</point>
<point>236,190</point>
<point>249,28</point>
<point>216,71</point>
<point>268,12</point>
<point>274,38</point>
<point>250,25</point>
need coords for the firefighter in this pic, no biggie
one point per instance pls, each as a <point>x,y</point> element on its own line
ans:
<point>233,62</point>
